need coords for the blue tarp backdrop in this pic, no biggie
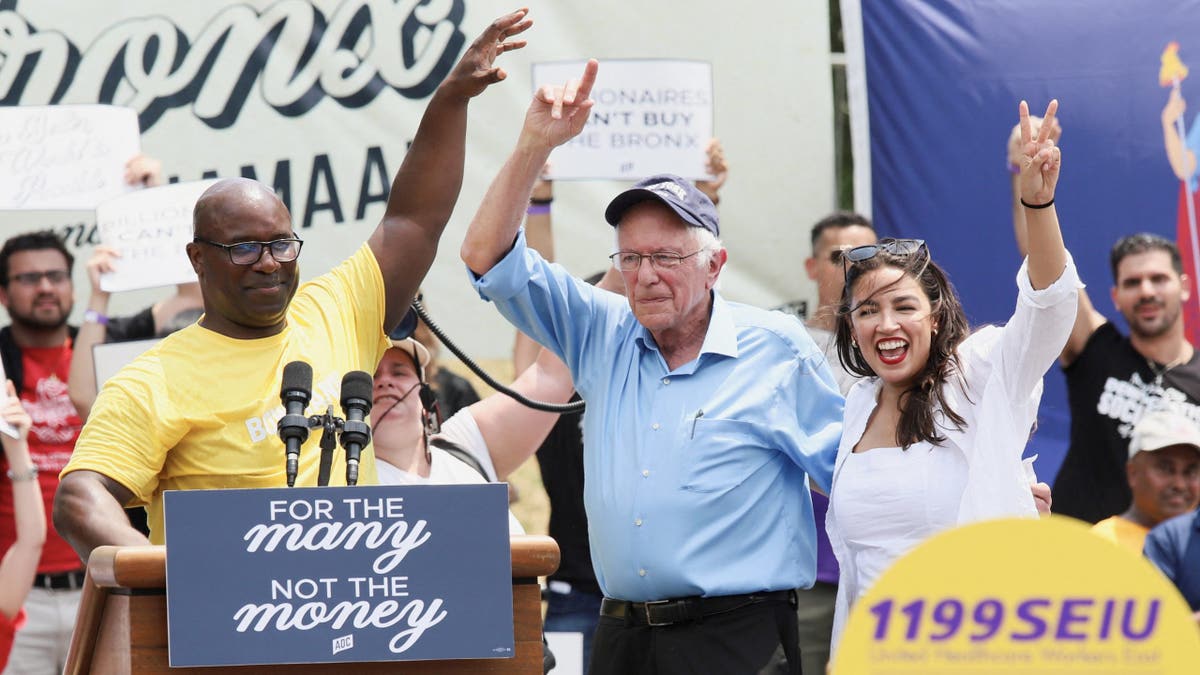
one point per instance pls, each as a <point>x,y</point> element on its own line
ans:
<point>943,82</point>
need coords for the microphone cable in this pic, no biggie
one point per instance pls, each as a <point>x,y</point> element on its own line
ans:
<point>561,408</point>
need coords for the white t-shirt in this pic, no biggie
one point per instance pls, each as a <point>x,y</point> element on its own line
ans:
<point>444,468</point>
<point>462,430</point>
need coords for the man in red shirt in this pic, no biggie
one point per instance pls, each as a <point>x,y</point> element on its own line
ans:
<point>36,289</point>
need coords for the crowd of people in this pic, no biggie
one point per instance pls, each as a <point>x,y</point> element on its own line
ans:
<point>712,428</point>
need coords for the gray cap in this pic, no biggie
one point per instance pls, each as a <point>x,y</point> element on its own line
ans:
<point>416,351</point>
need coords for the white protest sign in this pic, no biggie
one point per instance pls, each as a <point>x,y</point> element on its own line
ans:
<point>650,116</point>
<point>151,229</point>
<point>6,428</point>
<point>108,358</point>
<point>64,157</point>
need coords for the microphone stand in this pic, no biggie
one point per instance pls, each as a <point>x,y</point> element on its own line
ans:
<point>329,427</point>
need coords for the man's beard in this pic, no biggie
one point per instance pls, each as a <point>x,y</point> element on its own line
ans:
<point>1166,322</point>
<point>34,322</point>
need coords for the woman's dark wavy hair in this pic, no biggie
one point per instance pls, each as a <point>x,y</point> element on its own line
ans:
<point>919,401</point>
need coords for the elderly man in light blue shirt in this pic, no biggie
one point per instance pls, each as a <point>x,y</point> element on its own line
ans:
<point>703,417</point>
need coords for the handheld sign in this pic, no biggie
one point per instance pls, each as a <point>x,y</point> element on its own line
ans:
<point>69,157</point>
<point>1020,596</point>
<point>110,357</point>
<point>650,116</point>
<point>151,229</point>
<point>333,575</point>
<point>6,428</point>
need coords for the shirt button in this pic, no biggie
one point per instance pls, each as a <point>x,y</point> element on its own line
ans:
<point>645,473</point>
<point>666,380</point>
<point>641,573</point>
<point>638,522</point>
<point>654,426</point>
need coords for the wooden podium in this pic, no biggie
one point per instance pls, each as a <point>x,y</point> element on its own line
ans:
<point>122,621</point>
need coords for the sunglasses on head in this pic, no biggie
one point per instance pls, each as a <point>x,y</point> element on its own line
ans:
<point>894,247</point>
<point>835,255</point>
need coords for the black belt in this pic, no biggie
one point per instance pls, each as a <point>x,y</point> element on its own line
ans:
<point>684,610</point>
<point>59,582</point>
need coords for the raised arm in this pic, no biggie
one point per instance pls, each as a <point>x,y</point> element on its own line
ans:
<point>556,115</point>
<point>426,186</point>
<point>20,561</point>
<point>513,431</point>
<point>1181,159</point>
<point>81,384</point>
<point>1048,303</point>
<point>539,234</point>
<point>142,171</point>
<point>1087,319</point>
<point>1015,150</point>
<point>1040,163</point>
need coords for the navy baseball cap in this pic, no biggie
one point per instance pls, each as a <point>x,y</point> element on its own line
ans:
<point>680,194</point>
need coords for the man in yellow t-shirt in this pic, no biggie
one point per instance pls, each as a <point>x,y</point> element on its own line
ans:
<point>1164,474</point>
<point>199,410</point>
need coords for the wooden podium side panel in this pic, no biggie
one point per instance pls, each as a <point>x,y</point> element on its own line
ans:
<point>112,640</point>
<point>141,638</point>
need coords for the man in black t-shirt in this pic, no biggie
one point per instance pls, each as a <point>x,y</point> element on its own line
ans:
<point>1112,379</point>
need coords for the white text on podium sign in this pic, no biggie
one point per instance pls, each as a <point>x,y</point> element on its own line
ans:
<point>329,575</point>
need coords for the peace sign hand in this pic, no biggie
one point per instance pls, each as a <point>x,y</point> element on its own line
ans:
<point>1041,159</point>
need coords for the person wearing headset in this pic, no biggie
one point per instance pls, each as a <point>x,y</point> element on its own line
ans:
<point>483,442</point>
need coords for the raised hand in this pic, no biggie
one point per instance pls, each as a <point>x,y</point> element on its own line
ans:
<point>477,68</point>
<point>100,263</point>
<point>1175,107</point>
<point>558,113</point>
<point>1014,139</point>
<point>1040,158</point>
<point>717,168</point>
<point>143,170</point>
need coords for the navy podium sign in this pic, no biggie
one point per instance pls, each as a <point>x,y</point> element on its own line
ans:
<point>331,575</point>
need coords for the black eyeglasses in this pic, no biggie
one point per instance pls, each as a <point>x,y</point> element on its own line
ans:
<point>899,248</point>
<point>250,252</point>
<point>630,262</point>
<point>55,277</point>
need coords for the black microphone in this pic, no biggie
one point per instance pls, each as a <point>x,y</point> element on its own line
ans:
<point>293,426</point>
<point>356,403</point>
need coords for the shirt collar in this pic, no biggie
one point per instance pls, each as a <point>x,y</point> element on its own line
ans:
<point>720,338</point>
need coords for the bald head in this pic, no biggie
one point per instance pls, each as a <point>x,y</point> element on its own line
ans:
<point>231,199</point>
<point>242,300</point>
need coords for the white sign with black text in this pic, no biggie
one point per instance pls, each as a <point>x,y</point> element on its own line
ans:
<point>64,157</point>
<point>650,116</point>
<point>150,229</point>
